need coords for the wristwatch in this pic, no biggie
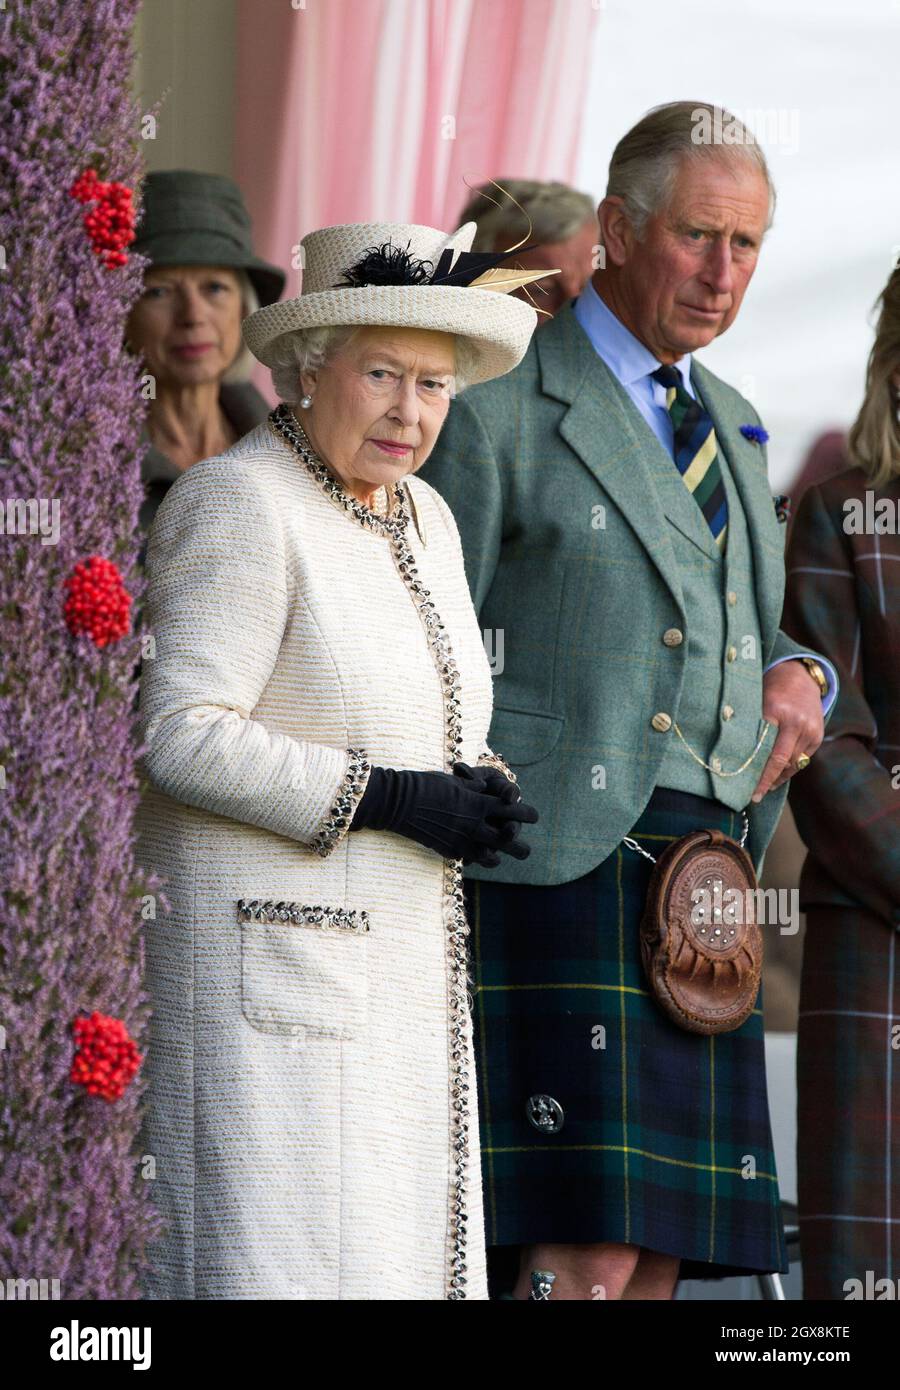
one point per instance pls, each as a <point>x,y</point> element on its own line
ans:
<point>818,675</point>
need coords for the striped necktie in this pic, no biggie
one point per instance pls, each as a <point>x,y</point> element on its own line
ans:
<point>696,452</point>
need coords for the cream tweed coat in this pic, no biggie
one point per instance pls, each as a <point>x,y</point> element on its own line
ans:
<point>311,1107</point>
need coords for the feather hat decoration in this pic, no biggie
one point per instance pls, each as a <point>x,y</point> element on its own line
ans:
<point>393,265</point>
<point>409,276</point>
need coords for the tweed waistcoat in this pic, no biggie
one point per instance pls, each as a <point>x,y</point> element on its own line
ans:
<point>577,530</point>
<point>721,699</point>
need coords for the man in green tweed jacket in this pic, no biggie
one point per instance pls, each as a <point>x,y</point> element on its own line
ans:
<point>626,562</point>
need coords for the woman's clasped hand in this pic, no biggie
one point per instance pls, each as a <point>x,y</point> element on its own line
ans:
<point>469,814</point>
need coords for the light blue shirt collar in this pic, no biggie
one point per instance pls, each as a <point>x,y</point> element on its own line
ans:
<point>623,353</point>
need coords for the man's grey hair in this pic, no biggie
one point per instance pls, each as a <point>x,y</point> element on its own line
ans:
<point>557,211</point>
<point>646,161</point>
<point>244,364</point>
<point>307,349</point>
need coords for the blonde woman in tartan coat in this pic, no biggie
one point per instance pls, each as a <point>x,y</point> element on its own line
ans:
<point>314,720</point>
<point>843,594</point>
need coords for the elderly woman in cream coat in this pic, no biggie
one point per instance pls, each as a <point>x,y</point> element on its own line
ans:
<point>314,722</point>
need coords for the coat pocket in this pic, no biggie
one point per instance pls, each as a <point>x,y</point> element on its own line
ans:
<point>524,736</point>
<point>303,967</point>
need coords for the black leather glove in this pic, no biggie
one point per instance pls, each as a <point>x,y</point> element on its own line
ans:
<point>450,814</point>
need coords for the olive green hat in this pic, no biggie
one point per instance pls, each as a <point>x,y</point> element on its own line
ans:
<point>189,218</point>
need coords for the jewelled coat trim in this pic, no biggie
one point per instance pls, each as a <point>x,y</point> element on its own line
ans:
<point>496,761</point>
<point>453,906</point>
<point>345,919</point>
<point>455,920</point>
<point>285,422</point>
<point>349,795</point>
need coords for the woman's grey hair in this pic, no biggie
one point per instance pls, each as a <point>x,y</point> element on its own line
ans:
<point>645,163</point>
<point>557,211</point>
<point>307,349</point>
<point>243,365</point>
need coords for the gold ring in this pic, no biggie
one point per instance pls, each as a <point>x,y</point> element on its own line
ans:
<point>802,762</point>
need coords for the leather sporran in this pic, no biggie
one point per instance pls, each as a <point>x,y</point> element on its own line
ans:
<point>700,943</point>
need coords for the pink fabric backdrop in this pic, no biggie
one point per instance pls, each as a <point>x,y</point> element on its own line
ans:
<point>381,110</point>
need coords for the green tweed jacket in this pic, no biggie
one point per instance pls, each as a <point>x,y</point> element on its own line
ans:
<point>528,464</point>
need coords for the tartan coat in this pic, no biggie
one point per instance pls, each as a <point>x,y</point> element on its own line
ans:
<point>843,593</point>
<point>523,461</point>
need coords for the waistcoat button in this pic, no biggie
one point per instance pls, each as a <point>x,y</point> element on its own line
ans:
<point>732,597</point>
<point>673,637</point>
<point>731,654</point>
<point>727,711</point>
<point>661,721</point>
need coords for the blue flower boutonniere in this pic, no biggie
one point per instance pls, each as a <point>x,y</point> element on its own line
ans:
<point>755,433</point>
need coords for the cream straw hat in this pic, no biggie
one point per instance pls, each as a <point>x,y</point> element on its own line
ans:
<point>409,276</point>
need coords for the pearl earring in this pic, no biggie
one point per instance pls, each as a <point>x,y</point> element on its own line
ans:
<point>305,402</point>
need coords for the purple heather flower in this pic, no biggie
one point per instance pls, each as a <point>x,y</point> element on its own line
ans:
<point>74,1205</point>
<point>755,433</point>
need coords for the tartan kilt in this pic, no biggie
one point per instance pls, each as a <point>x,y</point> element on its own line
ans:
<point>665,1140</point>
<point>848,1102</point>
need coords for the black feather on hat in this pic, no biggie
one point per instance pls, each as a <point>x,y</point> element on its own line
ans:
<point>393,265</point>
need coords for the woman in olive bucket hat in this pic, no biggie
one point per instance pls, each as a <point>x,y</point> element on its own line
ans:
<point>203,281</point>
<point>315,723</point>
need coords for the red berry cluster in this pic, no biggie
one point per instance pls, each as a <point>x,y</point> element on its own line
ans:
<point>110,224</point>
<point>106,1057</point>
<point>98,601</point>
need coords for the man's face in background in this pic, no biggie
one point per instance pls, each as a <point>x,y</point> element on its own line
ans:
<point>574,258</point>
